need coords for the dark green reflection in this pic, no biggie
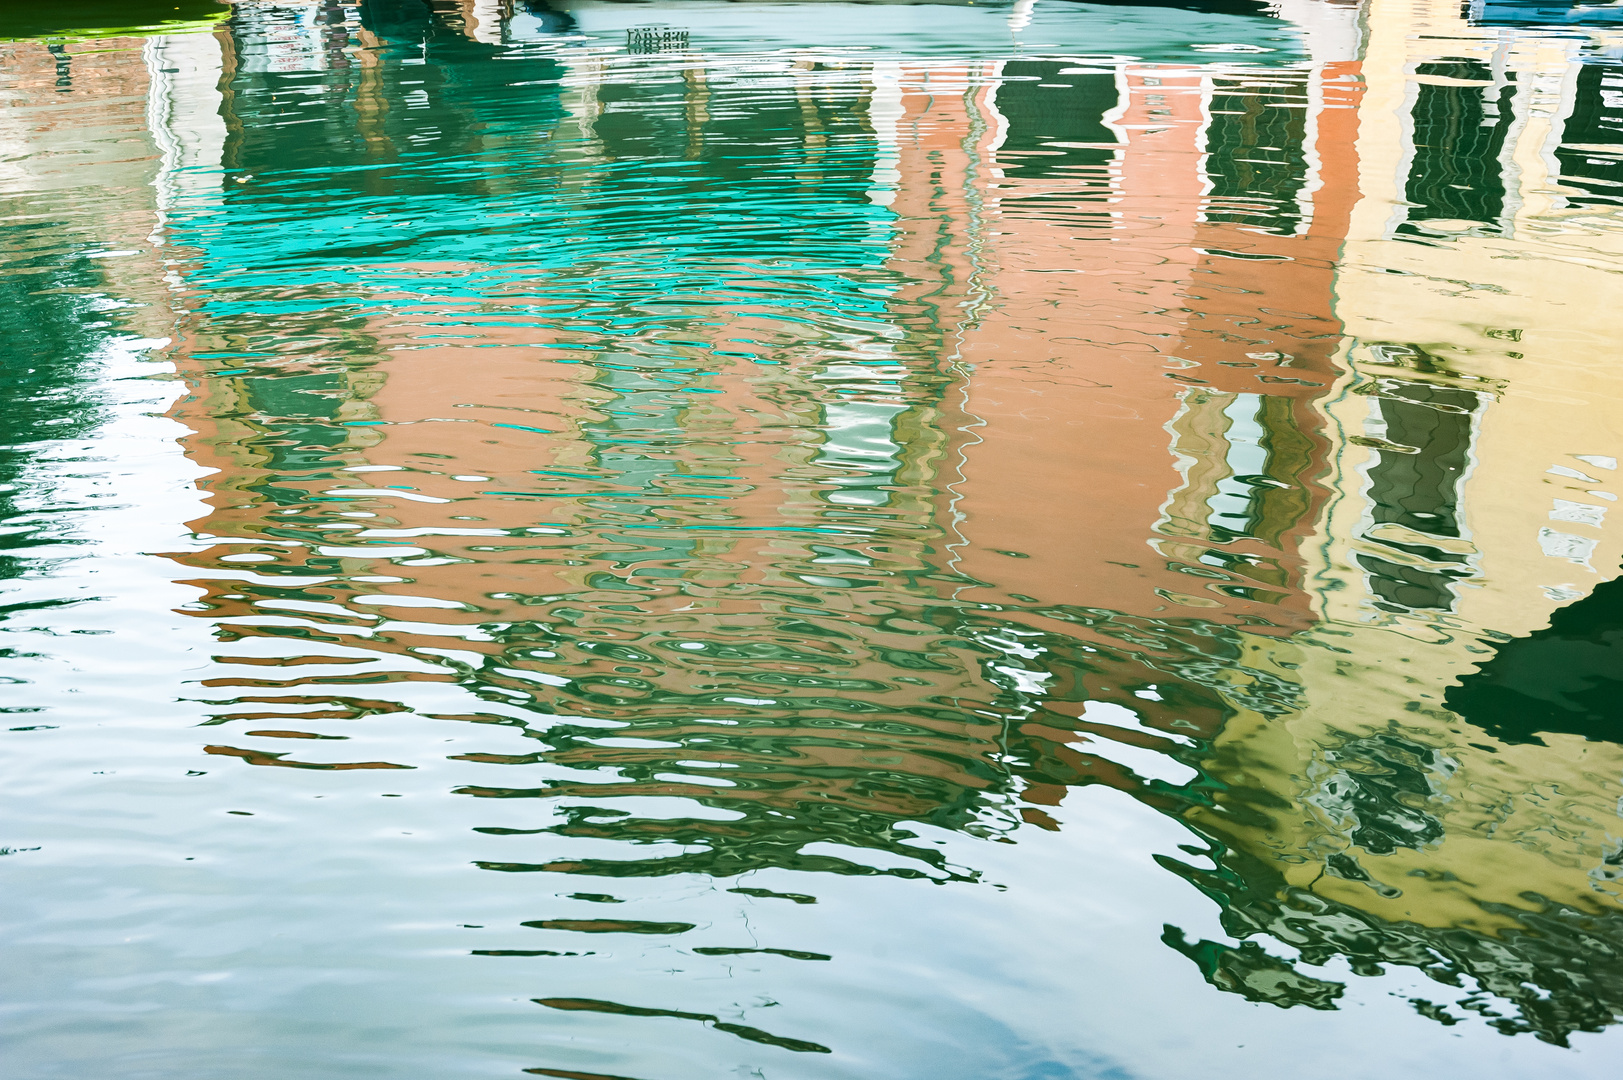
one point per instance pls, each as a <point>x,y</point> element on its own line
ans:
<point>53,320</point>
<point>1460,129</point>
<point>107,18</point>
<point>1564,678</point>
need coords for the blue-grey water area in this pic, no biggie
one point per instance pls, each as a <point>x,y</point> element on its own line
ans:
<point>882,541</point>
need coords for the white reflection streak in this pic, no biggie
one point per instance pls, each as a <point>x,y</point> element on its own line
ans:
<point>1020,15</point>
<point>884,110</point>
<point>184,116</point>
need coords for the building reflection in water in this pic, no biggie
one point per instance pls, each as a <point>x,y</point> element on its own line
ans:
<point>834,444</point>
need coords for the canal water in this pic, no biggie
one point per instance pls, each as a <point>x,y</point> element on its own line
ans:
<point>682,540</point>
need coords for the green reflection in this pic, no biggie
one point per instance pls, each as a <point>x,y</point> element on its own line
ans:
<point>111,18</point>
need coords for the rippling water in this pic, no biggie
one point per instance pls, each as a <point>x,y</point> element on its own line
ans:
<point>1035,541</point>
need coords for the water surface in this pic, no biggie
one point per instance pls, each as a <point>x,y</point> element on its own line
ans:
<point>1034,541</point>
